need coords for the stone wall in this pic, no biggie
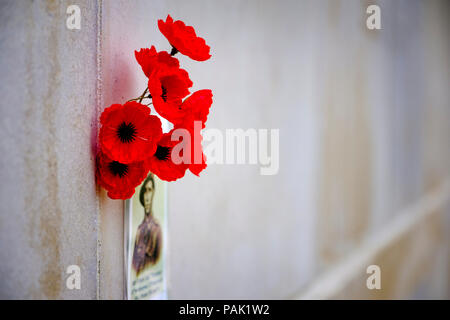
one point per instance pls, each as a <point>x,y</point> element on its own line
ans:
<point>364,157</point>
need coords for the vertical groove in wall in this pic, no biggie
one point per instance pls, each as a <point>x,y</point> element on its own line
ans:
<point>99,102</point>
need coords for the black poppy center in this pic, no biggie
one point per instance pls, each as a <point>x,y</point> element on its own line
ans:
<point>118,169</point>
<point>162,153</point>
<point>126,132</point>
<point>164,93</point>
<point>174,51</point>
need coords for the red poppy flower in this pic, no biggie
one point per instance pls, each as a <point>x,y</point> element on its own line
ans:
<point>129,133</point>
<point>183,39</point>
<point>152,61</point>
<point>197,159</point>
<point>194,108</point>
<point>119,179</point>
<point>162,164</point>
<point>168,90</point>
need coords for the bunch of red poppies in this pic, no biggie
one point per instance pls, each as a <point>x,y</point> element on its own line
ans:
<point>131,138</point>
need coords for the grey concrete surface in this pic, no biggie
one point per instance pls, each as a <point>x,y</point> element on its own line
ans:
<point>48,199</point>
<point>364,132</point>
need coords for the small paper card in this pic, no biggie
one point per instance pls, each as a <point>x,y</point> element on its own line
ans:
<point>145,244</point>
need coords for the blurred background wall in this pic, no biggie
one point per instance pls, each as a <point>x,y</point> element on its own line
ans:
<point>364,149</point>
